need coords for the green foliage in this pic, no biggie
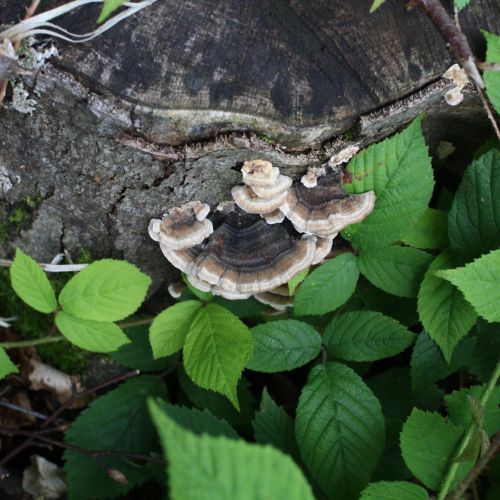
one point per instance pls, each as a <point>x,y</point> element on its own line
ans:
<point>430,231</point>
<point>394,269</point>
<point>218,346</point>
<point>328,287</point>
<point>460,4</point>
<point>207,467</point>
<point>474,220</point>
<point>366,336</point>
<point>283,345</point>
<point>116,421</point>
<point>31,283</point>
<point>6,365</point>
<point>443,311</point>
<point>399,171</point>
<point>492,78</point>
<point>394,490</point>
<point>106,290</point>
<point>108,8</point>
<point>479,281</point>
<point>297,280</point>
<point>340,430</point>
<point>375,5</point>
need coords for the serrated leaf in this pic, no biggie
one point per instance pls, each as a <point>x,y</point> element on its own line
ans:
<point>272,425</point>
<point>443,311</point>
<point>283,345</point>
<point>366,336</point>
<point>399,170</point>
<point>217,347</point>
<point>474,219</point>
<point>207,467</point>
<point>340,430</point>
<point>109,6</point>
<point>137,353</point>
<point>430,231</point>
<point>479,281</point>
<point>460,410</point>
<point>106,290</point>
<point>93,336</point>
<point>6,365</point>
<point>31,283</point>
<point>394,490</point>
<point>375,5</point>
<point>196,421</point>
<point>327,287</point>
<point>168,331</point>
<point>116,421</point>
<point>482,359</point>
<point>297,280</point>
<point>428,364</point>
<point>427,444</point>
<point>492,78</point>
<point>394,269</point>
<point>460,4</point>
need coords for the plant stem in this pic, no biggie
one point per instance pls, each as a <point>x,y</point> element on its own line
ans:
<point>450,476</point>
<point>28,343</point>
<point>137,322</point>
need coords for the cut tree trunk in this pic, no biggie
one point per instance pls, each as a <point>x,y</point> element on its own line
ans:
<point>164,108</point>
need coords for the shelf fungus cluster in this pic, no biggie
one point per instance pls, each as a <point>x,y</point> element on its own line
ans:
<point>272,230</point>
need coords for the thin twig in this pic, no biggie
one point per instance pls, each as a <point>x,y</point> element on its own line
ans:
<point>478,468</point>
<point>137,322</point>
<point>62,408</point>
<point>20,409</point>
<point>50,268</point>
<point>29,343</point>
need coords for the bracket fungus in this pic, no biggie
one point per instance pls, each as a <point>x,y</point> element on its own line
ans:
<point>273,230</point>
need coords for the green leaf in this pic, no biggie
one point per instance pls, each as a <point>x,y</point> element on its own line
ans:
<point>479,281</point>
<point>6,365</point>
<point>106,290</point>
<point>116,421</point>
<point>207,467</point>
<point>399,171</point>
<point>94,336</point>
<point>460,412</point>
<point>430,231</point>
<point>242,308</point>
<point>394,490</point>
<point>108,8</point>
<point>340,430</point>
<point>168,331</point>
<point>31,283</point>
<point>460,4</point>
<point>137,353</point>
<point>428,442</point>
<point>204,296</point>
<point>428,364</point>
<point>394,269</point>
<point>217,347</point>
<point>297,280</point>
<point>283,345</point>
<point>272,425</point>
<point>366,336</point>
<point>474,219</point>
<point>445,314</point>
<point>198,422</point>
<point>375,5</point>
<point>482,359</point>
<point>492,78</point>
<point>328,287</point>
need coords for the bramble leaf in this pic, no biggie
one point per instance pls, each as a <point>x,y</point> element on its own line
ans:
<point>31,283</point>
<point>106,290</point>
<point>395,269</point>
<point>94,336</point>
<point>492,78</point>
<point>391,490</point>
<point>460,4</point>
<point>206,467</point>
<point>340,430</point>
<point>109,6</point>
<point>327,287</point>
<point>6,365</point>
<point>297,280</point>
<point>283,345</point>
<point>366,336</point>
<point>430,231</point>
<point>168,331</point>
<point>399,170</point>
<point>375,5</point>
<point>217,347</point>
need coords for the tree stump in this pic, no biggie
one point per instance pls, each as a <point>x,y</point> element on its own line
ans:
<point>165,107</point>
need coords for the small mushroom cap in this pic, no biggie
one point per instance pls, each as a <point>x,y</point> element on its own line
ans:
<point>259,173</point>
<point>310,179</point>
<point>245,255</point>
<point>183,227</point>
<point>344,155</point>
<point>175,289</point>
<point>278,302</point>
<point>248,201</point>
<point>323,248</point>
<point>326,209</point>
<point>279,186</point>
<point>275,217</point>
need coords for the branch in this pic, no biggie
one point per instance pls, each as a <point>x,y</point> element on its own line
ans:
<point>29,343</point>
<point>50,268</point>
